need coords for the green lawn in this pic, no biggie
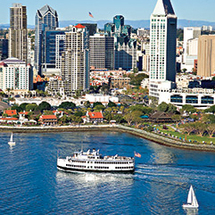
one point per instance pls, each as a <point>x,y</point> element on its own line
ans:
<point>197,138</point>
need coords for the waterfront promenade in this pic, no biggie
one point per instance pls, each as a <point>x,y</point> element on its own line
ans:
<point>161,139</point>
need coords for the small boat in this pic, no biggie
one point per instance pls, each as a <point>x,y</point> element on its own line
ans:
<point>11,142</point>
<point>191,200</point>
<point>93,161</point>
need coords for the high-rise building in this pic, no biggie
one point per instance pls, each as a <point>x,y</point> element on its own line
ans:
<point>109,28</point>
<point>18,32</point>
<point>125,47</point>
<point>206,56</point>
<point>75,60</point>
<point>118,22</point>
<point>46,19</point>
<point>91,27</point>
<point>189,33</point>
<point>125,53</point>
<point>53,46</point>
<point>3,49</point>
<point>15,75</point>
<point>163,25</point>
<point>102,51</point>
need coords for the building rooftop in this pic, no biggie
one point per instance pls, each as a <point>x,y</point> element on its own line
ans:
<point>80,26</point>
<point>163,7</point>
<point>42,12</point>
<point>48,117</point>
<point>95,115</point>
<point>11,60</point>
<point>10,112</point>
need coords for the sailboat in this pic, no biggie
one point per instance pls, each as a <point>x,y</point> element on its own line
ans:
<point>11,142</point>
<point>191,200</point>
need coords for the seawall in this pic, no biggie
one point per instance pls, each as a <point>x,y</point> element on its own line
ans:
<point>113,128</point>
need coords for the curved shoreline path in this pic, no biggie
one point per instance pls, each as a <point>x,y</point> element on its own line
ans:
<point>112,128</point>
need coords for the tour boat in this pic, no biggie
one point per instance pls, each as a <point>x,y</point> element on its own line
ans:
<point>93,161</point>
<point>11,142</point>
<point>191,200</point>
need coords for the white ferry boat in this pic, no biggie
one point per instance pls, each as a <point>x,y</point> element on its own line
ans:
<point>93,161</point>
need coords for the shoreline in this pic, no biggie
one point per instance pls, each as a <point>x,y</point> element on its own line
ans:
<point>113,128</point>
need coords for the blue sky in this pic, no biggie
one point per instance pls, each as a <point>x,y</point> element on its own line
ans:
<point>105,10</point>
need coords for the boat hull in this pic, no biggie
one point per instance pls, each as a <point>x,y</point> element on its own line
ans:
<point>11,143</point>
<point>187,206</point>
<point>66,169</point>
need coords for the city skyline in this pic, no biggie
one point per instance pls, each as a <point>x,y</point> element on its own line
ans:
<point>107,10</point>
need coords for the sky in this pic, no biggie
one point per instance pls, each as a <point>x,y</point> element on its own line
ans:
<point>107,9</point>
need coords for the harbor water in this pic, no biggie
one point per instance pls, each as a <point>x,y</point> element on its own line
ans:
<point>31,184</point>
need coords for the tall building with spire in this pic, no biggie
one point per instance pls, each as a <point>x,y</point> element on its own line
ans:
<point>46,19</point>
<point>18,32</point>
<point>163,28</point>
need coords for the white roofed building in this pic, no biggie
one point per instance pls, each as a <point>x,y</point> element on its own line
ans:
<point>15,75</point>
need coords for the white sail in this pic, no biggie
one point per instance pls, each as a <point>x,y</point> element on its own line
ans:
<point>194,202</point>
<point>191,199</point>
<point>11,137</point>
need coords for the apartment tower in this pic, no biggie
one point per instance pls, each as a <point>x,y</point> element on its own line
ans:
<point>75,60</point>
<point>18,33</point>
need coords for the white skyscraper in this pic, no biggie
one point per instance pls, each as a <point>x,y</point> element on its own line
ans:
<point>163,25</point>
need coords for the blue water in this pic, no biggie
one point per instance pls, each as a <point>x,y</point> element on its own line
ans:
<point>31,184</point>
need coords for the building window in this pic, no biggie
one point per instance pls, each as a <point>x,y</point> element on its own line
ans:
<point>176,98</point>
<point>192,99</point>
<point>207,100</point>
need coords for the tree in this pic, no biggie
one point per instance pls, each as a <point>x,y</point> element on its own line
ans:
<point>99,107</point>
<point>171,108</point>
<point>67,105</point>
<point>176,117</point>
<point>16,107</point>
<point>47,112</point>
<point>97,103</point>
<point>64,119</point>
<point>111,104</point>
<point>200,128</point>
<point>76,119</point>
<point>163,107</point>
<point>129,118</point>
<point>23,106</point>
<point>87,104</point>
<point>210,110</point>
<point>136,117</point>
<point>135,70</point>
<point>31,107</point>
<point>188,108</point>
<point>194,117</point>
<point>118,118</point>
<point>188,128</point>
<point>108,116</point>
<point>137,79</point>
<point>80,113</point>
<point>210,130</point>
<point>44,106</point>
